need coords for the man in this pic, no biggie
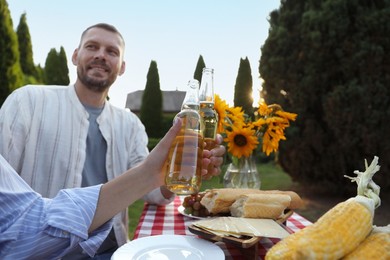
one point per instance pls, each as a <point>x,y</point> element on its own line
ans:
<point>59,137</point>
<point>32,227</point>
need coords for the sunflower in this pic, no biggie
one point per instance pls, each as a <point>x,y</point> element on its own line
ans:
<point>263,109</point>
<point>221,107</point>
<point>260,123</point>
<point>286,115</point>
<point>243,133</point>
<point>271,138</point>
<point>241,141</point>
<point>236,115</point>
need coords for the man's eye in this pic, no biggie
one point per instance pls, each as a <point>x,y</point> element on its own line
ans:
<point>113,53</point>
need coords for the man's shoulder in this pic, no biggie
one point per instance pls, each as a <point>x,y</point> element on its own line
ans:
<point>37,93</point>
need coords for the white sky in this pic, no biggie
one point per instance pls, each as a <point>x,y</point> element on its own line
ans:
<point>172,32</point>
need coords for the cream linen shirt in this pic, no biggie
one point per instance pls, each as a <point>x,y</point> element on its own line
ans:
<point>43,132</point>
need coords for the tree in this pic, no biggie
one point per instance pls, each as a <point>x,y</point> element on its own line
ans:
<point>11,76</point>
<point>25,47</point>
<point>40,74</point>
<point>243,88</point>
<point>199,69</point>
<point>151,107</point>
<point>56,70</point>
<point>327,61</point>
<point>63,64</point>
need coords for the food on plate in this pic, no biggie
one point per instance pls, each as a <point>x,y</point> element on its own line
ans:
<point>260,205</point>
<point>218,201</point>
<point>250,203</point>
<point>340,230</point>
<point>192,206</point>
<point>375,246</point>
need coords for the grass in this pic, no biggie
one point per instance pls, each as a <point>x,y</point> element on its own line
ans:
<point>135,211</point>
<point>271,176</point>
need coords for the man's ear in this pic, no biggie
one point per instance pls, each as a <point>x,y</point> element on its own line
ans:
<point>74,56</point>
<point>122,69</point>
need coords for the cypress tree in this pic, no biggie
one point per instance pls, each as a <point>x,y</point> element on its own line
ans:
<point>199,69</point>
<point>25,47</point>
<point>151,107</point>
<point>50,69</point>
<point>11,76</point>
<point>63,67</point>
<point>328,62</point>
<point>40,74</point>
<point>56,70</point>
<point>243,87</point>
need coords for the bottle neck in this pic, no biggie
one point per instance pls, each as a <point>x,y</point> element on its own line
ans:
<point>206,92</point>
<point>191,99</point>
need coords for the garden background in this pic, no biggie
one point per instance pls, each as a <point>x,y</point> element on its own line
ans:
<point>326,61</point>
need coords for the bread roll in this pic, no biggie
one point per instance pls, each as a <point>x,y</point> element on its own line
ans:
<point>218,201</point>
<point>260,205</point>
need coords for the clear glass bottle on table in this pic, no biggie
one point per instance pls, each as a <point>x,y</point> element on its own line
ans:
<point>208,114</point>
<point>184,165</point>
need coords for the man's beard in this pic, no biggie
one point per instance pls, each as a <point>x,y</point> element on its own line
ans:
<point>96,85</point>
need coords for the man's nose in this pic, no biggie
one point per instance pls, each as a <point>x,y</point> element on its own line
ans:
<point>100,54</point>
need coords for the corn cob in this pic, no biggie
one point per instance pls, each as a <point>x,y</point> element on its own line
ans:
<point>375,246</point>
<point>339,231</point>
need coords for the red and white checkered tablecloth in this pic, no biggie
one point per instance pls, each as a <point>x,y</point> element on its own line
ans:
<point>166,220</point>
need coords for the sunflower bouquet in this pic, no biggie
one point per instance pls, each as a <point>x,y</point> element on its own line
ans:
<point>243,133</point>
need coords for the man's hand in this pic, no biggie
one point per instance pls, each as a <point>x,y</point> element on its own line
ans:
<point>212,160</point>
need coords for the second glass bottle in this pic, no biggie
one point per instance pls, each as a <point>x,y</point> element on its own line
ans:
<point>208,114</point>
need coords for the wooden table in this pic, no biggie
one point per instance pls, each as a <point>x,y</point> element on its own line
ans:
<point>166,220</point>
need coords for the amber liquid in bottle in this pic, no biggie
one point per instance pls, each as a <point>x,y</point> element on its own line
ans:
<point>183,173</point>
<point>209,129</point>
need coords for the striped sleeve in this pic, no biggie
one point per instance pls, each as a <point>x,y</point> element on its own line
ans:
<point>32,227</point>
<point>77,218</point>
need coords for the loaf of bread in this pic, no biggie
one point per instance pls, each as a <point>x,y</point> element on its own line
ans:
<point>260,205</point>
<point>218,201</point>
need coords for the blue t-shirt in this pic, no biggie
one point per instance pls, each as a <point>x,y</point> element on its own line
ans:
<point>94,171</point>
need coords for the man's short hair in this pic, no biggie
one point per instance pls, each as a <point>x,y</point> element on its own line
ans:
<point>105,26</point>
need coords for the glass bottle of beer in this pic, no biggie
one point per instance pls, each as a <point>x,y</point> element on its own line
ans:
<point>183,172</point>
<point>208,114</point>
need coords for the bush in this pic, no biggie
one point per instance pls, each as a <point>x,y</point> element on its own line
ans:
<point>327,61</point>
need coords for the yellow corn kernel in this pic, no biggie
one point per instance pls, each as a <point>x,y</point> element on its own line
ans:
<point>332,236</point>
<point>375,246</point>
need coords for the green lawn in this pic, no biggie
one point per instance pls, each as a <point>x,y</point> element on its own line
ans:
<point>271,176</point>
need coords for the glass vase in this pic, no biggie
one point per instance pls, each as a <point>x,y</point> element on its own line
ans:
<point>242,174</point>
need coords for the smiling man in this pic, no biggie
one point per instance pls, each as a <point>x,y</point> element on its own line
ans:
<point>99,60</point>
<point>60,137</point>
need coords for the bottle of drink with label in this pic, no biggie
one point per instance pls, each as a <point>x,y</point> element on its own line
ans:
<point>208,114</point>
<point>184,165</point>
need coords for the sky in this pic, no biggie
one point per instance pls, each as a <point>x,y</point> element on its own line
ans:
<point>174,33</point>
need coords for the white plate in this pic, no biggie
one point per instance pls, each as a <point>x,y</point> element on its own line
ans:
<point>181,211</point>
<point>164,247</point>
